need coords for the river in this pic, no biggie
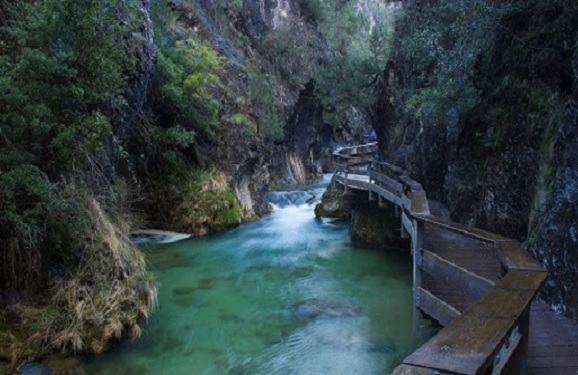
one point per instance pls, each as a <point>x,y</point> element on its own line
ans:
<point>286,295</point>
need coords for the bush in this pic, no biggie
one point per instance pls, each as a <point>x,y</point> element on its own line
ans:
<point>186,73</point>
<point>197,201</point>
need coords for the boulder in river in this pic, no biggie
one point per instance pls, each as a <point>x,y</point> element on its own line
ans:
<point>318,308</point>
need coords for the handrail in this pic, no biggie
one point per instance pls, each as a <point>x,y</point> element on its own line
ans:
<point>490,336</point>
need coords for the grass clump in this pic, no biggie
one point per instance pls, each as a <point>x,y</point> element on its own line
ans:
<point>198,201</point>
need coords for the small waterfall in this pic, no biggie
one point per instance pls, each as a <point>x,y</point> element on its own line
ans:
<point>309,197</point>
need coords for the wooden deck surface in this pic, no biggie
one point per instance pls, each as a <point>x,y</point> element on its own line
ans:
<point>471,254</point>
<point>553,343</point>
<point>553,339</point>
<point>478,284</point>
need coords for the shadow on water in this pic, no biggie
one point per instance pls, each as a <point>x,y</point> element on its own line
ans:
<point>288,294</point>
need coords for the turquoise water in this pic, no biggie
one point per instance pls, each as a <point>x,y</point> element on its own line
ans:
<point>286,295</point>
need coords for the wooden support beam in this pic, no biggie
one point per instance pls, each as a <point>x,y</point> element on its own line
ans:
<point>419,204</point>
<point>462,279</point>
<point>371,196</point>
<point>460,228</point>
<point>361,185</point>
<point>389,196</point>
<point>390,183</point>
<point>416,244</point>
<point>407,225</point>
<point>471,342</point>
<point>465,346</point>
<point>513,256</point>
<point>435,307</point>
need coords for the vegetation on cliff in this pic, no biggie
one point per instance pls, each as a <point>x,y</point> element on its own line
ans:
<point>69,279</point>
<point>480,108</point>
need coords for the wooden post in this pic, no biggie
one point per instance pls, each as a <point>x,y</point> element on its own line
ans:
<point>416,246</point>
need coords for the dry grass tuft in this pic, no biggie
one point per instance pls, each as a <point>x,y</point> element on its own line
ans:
<point>102,300</point>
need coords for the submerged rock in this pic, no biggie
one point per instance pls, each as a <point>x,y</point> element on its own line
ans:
<point>34,369</point>
<point>317,308</point>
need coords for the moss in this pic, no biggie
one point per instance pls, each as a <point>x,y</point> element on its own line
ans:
<point>199,201</point>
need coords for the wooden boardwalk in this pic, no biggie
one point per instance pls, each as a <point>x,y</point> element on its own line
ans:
<point>553,343</point>
<point>478,285</point>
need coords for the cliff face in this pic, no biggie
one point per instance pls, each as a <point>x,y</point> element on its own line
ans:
<point>491,132</point>
<point>553,226</point>
<point>138,82</point>
<point>272,53</point>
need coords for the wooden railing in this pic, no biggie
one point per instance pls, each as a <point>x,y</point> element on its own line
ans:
<point>490,337</point>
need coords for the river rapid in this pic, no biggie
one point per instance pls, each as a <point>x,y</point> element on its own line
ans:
<point>286,295</point>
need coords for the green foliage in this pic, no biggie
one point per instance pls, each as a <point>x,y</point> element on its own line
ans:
<point>360,39</point>
<point>444,44</point>
<point>186,73</point>
<point>270,124</point>
<point>243,120</point>
<point>24,201</point>
<point>62,76</point>
<point>209,198</point>
<point>62,65</point>
<point>197,200</point>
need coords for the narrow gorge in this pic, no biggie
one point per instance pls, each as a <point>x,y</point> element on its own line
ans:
<point>185,115</point>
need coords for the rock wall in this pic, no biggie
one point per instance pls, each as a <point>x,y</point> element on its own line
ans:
<point>374,225</point>
<point>553,237</point>
<point>369,223</point>
<point>509,164</point>
<point>266,38</point>
<point>139,81</point>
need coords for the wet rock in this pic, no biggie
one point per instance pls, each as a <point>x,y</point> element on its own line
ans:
<point>184,301</point>
<point>34,369</point>
<point>333,203</point>
<point>318,308</point>
<point>359,344</point>
<point>167,259</point>
<point>183,290</point>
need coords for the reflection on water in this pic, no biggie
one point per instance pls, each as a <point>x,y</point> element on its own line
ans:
<point>287,295</point>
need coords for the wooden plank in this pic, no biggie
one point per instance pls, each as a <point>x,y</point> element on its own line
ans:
<point>359,172</point>
<point>381,165</point>
<point>395,186</point>
<point>416,245</point>
<point>389,196</point>
<point>357,163</point>
<point>406,203</point>
<point>502,304</point>
<point>512,357</point>
<point>551,371</point>
<point>465,346</point>
<point>363,185</point>
<point>513,256</point>
<point>460,228</point>
<point>558,361</point>
<point>419,204</point>
<point>435,307</point>
<point>462,279</point>
<point>522,280</point>
<point>410,183</point>
<point>407,224</point>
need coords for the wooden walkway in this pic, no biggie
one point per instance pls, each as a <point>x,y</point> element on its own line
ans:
<point>478,285</point>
